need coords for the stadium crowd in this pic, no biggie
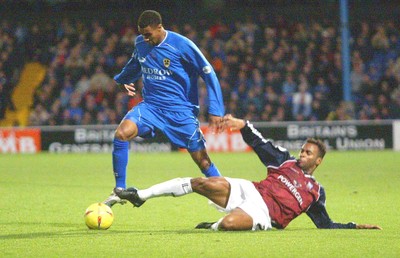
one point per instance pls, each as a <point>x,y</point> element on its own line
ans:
<point>10,63</point>
<point>269,70</point>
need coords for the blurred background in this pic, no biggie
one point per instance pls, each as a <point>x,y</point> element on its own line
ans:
<point>276,60</point>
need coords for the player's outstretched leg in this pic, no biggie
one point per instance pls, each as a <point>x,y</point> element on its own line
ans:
<point>174,187</point>
<point>129,194</point>
<point>113,199</point>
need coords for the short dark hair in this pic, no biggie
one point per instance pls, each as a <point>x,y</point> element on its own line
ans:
<point>149,18</point>
<point>321,146</point>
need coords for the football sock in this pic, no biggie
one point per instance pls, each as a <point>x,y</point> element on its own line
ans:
<point>215,226</point>
<point>174,187</point>
<point>211,171</point>
<point>120,161</point>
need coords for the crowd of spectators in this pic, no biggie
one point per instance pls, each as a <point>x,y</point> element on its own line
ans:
<point>269,70</point>
<point>10,64</point>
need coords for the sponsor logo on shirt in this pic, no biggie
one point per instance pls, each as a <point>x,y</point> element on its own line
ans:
<point>142,59</point>
<point>156,74</point>
<point>291,188</point>
<point>156,71</point>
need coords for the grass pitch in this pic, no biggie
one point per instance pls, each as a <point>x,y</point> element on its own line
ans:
<point>43,198</point>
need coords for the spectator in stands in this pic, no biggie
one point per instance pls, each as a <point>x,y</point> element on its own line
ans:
<point>356,79</point>
<point>5,94</point>
<point>270,95</point>
<point>320,107</point>
<point>380,40</point>
<point>256,79</point>
<point>280,114</point>
<point>302,101</point>
<point>218,55</point>
<point>74,109</point>
<point>39,116</point>
<point>267,112</point>
<point>83,84</point>
<point>322,87</point>
<point>394,107</point>
<point>3,98</point>
<point>254,97</point>
<point>340,113</point>
<point>289,87</point>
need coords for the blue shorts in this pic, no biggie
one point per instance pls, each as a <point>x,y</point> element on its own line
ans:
<point>181,128</point>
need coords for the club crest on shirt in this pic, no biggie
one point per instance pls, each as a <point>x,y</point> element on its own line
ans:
<point>296,184</point>
<point>166,62</point>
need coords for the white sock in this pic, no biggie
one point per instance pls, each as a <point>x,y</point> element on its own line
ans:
<point>175,187</point>
<point>216,224</point>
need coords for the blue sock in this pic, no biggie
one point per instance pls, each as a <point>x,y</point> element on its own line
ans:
<point>211,171</point>
<point>120,161</point>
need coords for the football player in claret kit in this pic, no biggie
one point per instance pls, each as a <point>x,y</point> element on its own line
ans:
<point>288,190</point>
<point>170,66</point>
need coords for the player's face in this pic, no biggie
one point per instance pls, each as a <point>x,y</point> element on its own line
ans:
<point>152,35</point>
<point>308,157</point>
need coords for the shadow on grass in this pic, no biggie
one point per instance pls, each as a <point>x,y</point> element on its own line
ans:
<point>76,229</point>
<point>79,230</point>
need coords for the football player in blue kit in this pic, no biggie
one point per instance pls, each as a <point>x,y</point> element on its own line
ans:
<point>169,65</point>
<point>288,190</point>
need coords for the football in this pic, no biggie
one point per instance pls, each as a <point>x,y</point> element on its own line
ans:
<point>98,216</point>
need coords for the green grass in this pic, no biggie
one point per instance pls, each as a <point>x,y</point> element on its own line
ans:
<point>43,198</point>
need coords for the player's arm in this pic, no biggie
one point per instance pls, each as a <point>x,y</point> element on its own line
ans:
<point>268,153</point>
<point>318,214</point>
<point>192,54</point>
<point>131,71</point>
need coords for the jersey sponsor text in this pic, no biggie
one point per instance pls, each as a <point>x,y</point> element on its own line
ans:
<point>292,188</point>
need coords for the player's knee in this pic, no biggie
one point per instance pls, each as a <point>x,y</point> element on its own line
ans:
<point>123,134</point>
<point>199,184</point>
<point>235,223</point>
<point>228,223</point>
<point>207,186</point>
<point>120,135</point>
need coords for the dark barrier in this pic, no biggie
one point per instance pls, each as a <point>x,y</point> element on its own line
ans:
<point>96,139</point>
<point>342,136</point>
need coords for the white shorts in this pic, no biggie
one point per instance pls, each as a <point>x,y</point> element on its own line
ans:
<point>245,196</point>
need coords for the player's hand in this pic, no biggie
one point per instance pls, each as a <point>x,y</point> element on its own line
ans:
<point>232,123</point>
<point>215,124</point>
<point>131,89</point>
<point>367,226</point>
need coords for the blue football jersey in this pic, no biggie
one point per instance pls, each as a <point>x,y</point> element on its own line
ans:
<point>170,73</point>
